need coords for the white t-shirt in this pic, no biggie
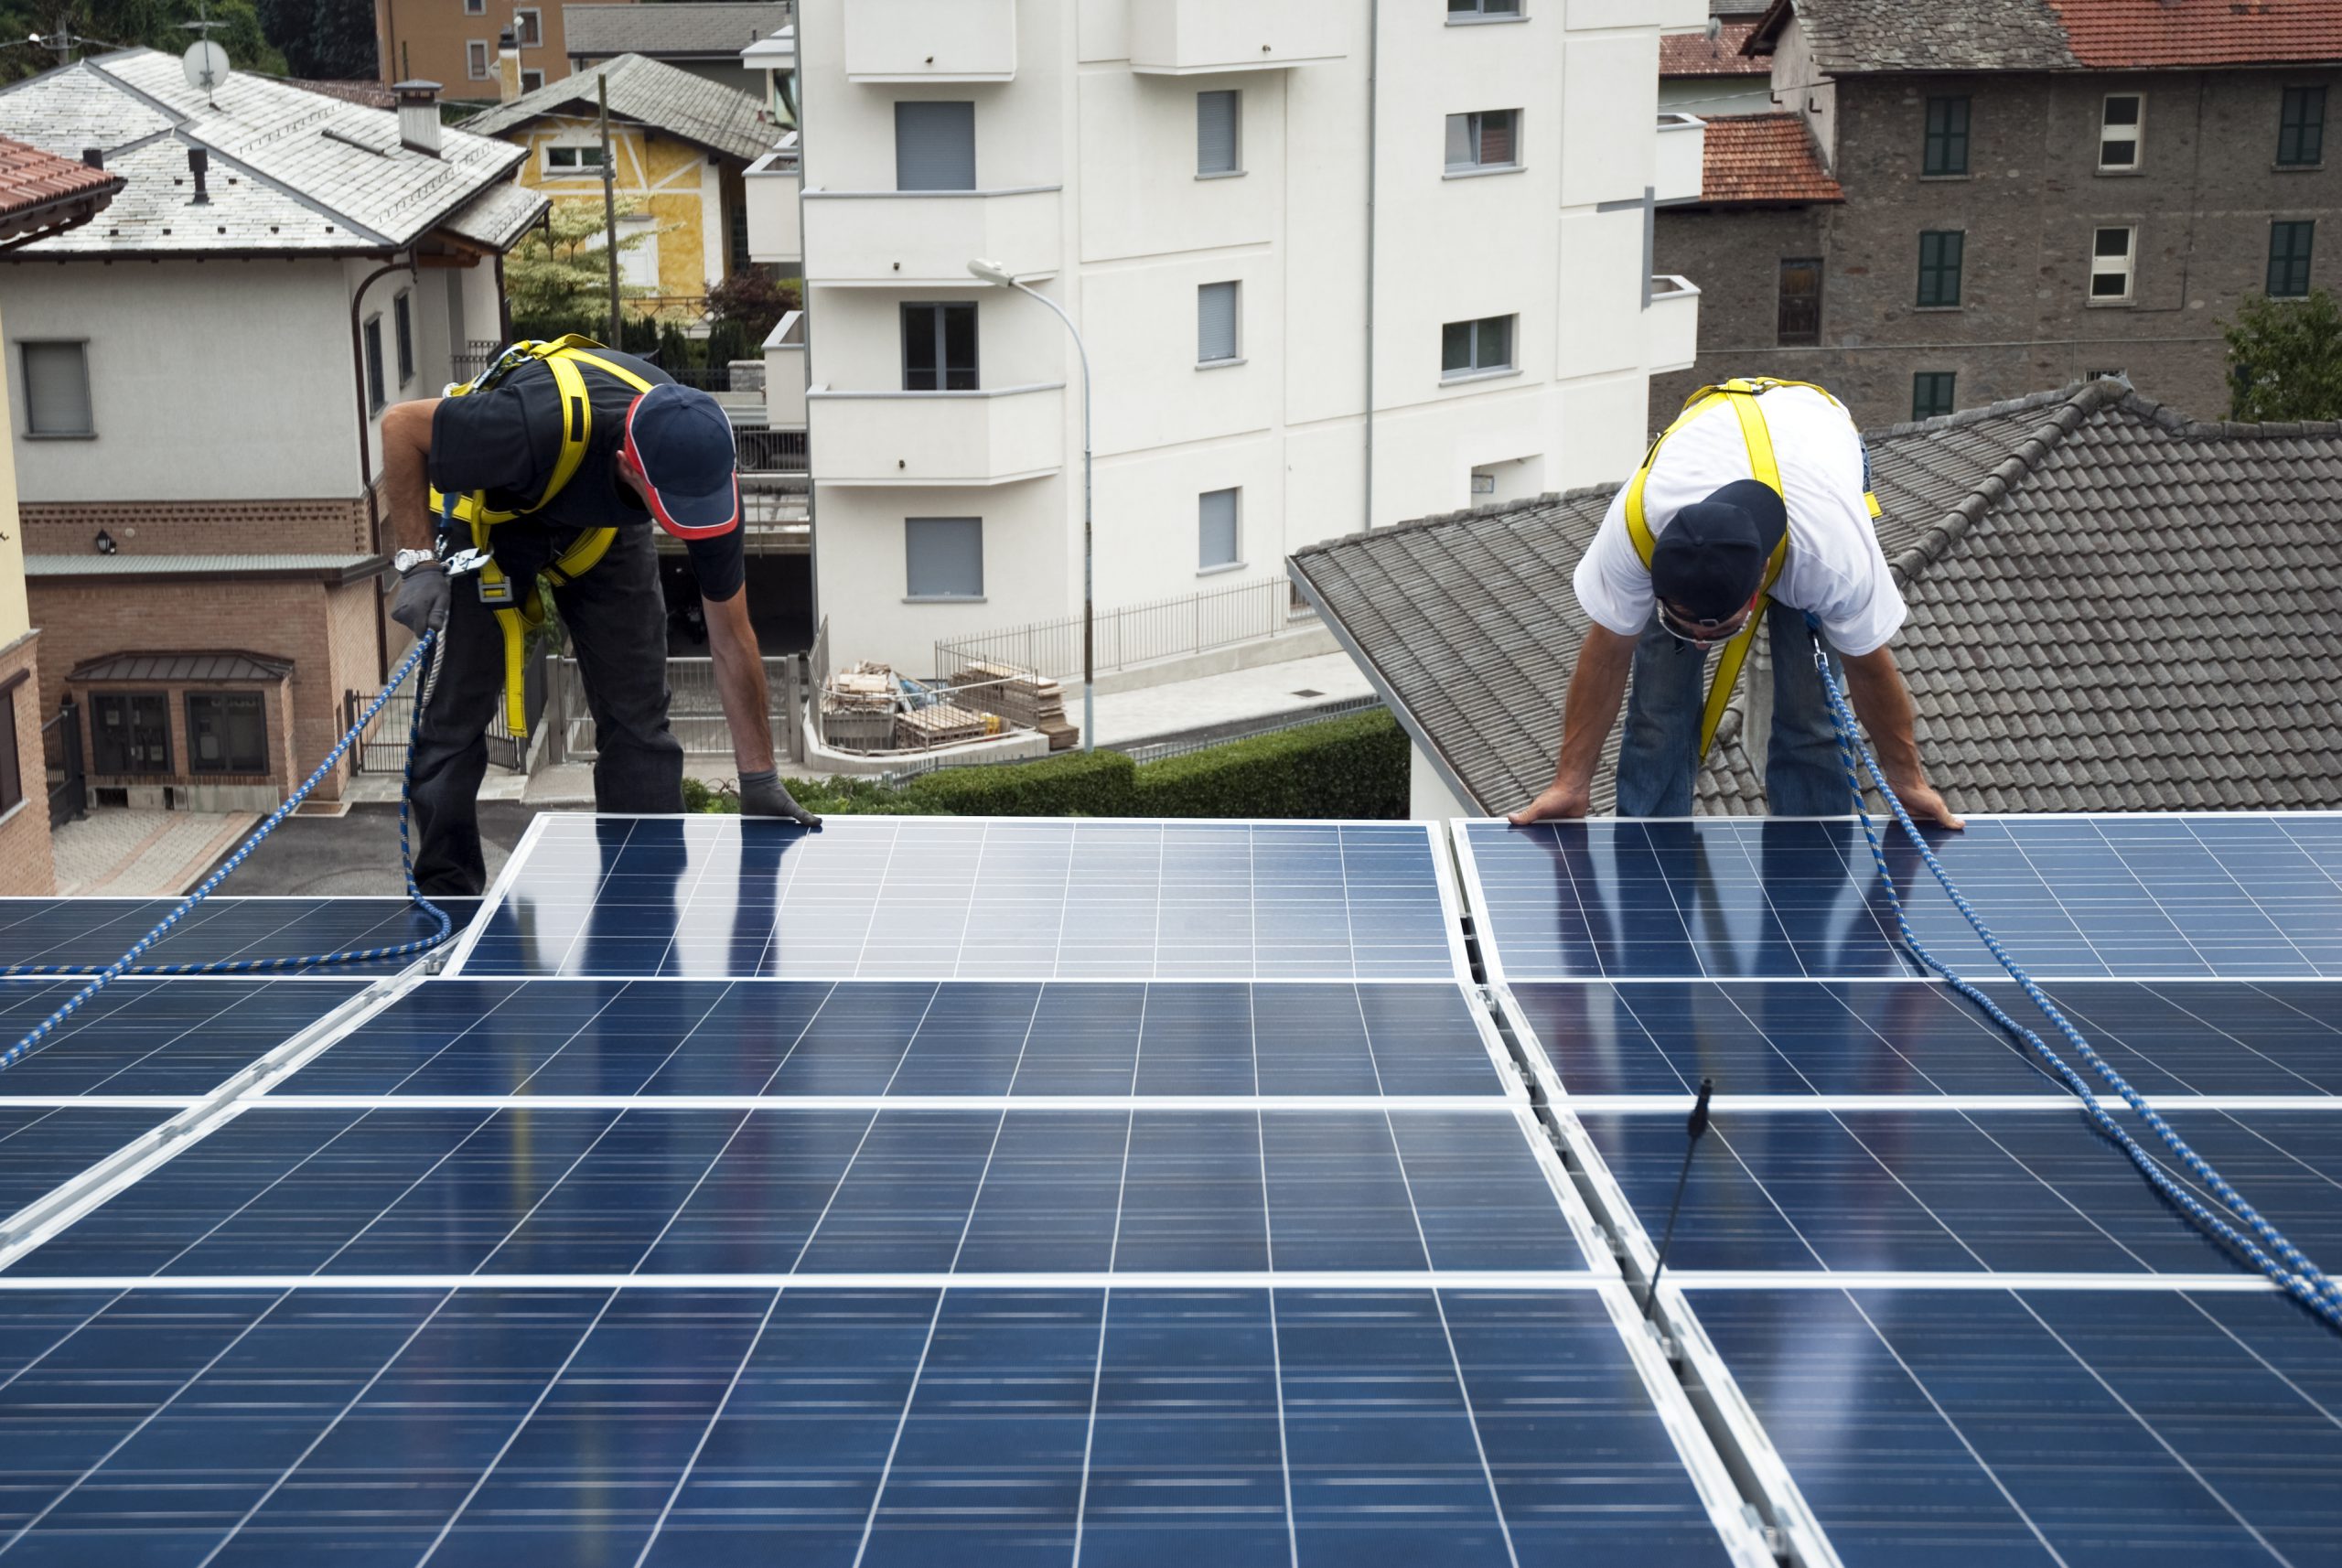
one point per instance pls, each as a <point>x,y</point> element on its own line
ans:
<point>1835,568</point>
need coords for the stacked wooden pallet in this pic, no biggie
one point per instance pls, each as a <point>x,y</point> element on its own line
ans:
<point>943,724</point>
<point>1019,695</point>
<point>858,707</point>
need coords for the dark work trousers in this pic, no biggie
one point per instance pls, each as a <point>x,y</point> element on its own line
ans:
<point>616,619</point>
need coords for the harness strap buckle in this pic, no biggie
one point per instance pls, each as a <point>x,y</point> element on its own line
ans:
<point>496,590</point>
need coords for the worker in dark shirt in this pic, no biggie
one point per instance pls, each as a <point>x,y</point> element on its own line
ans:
<point>555,465</point>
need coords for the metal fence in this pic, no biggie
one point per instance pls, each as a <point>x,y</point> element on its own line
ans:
<point>474,357</point>
<point>1136,634</point>
<point>763,451</point>
<point>61,746</point>
<point>695,708</point>
<point>382,749</point>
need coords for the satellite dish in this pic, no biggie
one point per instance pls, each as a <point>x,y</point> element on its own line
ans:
<point>205,64</point>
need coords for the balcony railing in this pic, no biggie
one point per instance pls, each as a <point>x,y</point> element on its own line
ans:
<point>1673,323</point>
<point>1189,37</point>
<point>769,451</point>
<point>770,187</point>
<point>930,40</point>
<point>896,438</point>
<point>1680,165</point>
<point>895,239</point>
<point>1135,634</point>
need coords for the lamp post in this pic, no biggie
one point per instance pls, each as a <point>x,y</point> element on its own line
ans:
<point>993,271</point>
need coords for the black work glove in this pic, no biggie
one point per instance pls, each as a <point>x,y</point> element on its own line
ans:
<point>764,795</point>
<point>421,604</point>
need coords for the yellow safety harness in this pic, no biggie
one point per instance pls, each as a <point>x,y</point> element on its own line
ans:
<point>518,609</point>
<point>1742,394</point>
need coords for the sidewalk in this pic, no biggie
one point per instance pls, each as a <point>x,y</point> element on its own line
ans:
<point>120,853</point>
<point>1126,718</point>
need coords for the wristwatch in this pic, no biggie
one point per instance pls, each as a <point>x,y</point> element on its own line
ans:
<point>406,561</point>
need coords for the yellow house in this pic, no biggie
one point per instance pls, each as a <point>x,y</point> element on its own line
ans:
<point>678,143</point>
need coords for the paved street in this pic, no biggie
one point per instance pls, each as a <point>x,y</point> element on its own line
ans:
<point>357,853</point>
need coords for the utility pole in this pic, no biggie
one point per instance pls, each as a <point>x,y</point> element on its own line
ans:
<point>609,207</point>
<point>64,40</point>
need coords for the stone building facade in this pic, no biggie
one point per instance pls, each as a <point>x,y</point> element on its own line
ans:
<point>2101,220</point>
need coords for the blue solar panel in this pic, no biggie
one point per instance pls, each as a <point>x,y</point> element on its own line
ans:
<point>2097,1429</point>
<point>943,898</point>
<point>924,1038</point>
<point>41,1147</point>
<point>91,933</point>
<point>154,1037</point>
<point>1905,1038</point>
<point>1965,1191</point>
<point>284,1189</point>
<point>1154,1428</point>
<point>2136,898</point>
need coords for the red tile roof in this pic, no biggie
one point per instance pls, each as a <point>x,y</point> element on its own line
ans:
<point>30,177</point>
<point>1695,54</point>
<point>1761,159</point>
<point>2115,34</point>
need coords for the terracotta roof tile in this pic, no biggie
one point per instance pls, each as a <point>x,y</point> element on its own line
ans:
<point>2127,33</point>
<point>1695,54</point>
<point>1763,157</point>
<point>30,177</point>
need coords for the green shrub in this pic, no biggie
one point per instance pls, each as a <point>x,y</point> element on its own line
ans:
<point>1076,784</point>
<point>1354,766</point>
<point>828,797</point>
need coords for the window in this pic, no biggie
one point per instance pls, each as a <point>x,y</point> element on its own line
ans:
<point>935,146</point>
<point>532,79</point>
<point>1476,347</point>
<point>638,251</point>
<point>1931,394</point>
<point>569,160</point>
<point>1218,309</point>
<point>1488,140</point>
<point>1939,252</point>
<point>938,348</point>
<point>1481,10</point>
<point>2111,251</point>
<point>1947,144</point>
<point>2301,128</point>
<point>944,556</point>
<point>475,7</point>
<point>476,58</point>
<point>737,230</point>
<point>2289,247</point>
<point>131,732</point>
<point>226,732</point>
<point>2122,125</point>
<point>528,28</point>
<point>12,777</point>
<point>377,393</point>
<point>1799,324</point>
<point>1219,133</point>
<point>57,388</point>
<point>1219,543</point>
<point>403,315</point>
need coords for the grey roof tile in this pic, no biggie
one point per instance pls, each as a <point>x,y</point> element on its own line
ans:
<point>679,26</point>
<point>649,92</point>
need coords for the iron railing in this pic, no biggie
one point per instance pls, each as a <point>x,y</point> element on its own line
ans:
<point>1136,634</point>
<point>466,362</point>
<point>695,708</point>
<point>763,451</point>
<point>382,749</point>
<point>60,746</point>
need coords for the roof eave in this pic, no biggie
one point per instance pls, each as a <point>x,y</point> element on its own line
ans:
<point>45,219</point>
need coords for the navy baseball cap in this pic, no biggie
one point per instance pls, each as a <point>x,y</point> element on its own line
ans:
<point>680,441</point>
<point>1711,559</point>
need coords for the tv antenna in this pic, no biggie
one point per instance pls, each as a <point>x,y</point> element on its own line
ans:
<point>204,62</point>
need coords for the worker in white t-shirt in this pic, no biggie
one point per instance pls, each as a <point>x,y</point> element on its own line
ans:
<point>1693,551</point>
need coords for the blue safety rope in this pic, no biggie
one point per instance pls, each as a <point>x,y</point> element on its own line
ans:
<point>2296,1274</point>
<point>430,646</point>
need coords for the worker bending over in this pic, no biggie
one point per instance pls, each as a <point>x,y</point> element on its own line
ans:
<point>1754,506</point>
<point>553,466</point>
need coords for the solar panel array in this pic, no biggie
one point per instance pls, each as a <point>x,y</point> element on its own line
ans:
<point>1960,1327</point>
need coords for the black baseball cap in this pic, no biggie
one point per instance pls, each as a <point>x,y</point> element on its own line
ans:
<point>1711,559</point>
<point>682,441</point>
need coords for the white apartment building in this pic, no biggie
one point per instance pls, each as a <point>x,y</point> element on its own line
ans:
<point>1336,264</point>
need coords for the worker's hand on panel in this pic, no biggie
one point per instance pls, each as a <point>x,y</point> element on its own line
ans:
<point>421,602</point>
<point>1926,804</point>
<point>764,795</point>
<point>1558,800</point>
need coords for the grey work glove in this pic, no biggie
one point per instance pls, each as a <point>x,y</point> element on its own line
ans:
<point>421,604</point>
<point>764,795</point>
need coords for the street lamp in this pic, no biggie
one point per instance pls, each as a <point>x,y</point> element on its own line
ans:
<point>993,271</point>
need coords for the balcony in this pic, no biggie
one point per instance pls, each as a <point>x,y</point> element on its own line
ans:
<point>1190,37</point>
<point>928,438</point>
<point>771,185</point>
<point>1671,324</point>
<point>898,239</point>
<point>930,40</point>
<point>1681,159</point>
<point>785,373</point>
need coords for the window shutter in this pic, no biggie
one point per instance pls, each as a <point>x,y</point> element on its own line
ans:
<point>1216,132</point>
<point>1216,322</point>
<point>1217,544</point>
<point>935,146</point>
<point>944,556</point>
<point>1496,138</point>
<point>56,390</point>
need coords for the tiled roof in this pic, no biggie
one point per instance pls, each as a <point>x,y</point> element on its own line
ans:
<point>1755,158</point>
<point>372,95</point>
<point>1695,54</point>
<point>2123,33</point>
<point>226,666</point>
<point>678,27</point>
<point>649,92</point>
<point>496,218</point>
<point>2112,608</point>
<point>39,190</point>
<point>341,568</point>
<point>1851,36</point>
<point>291,170</point>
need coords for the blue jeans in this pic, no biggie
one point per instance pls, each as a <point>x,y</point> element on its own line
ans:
<point>1660,750</point>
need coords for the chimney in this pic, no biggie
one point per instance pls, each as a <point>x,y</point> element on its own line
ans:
<point>418,116</point>
<point>508,66</point>
<point>94,156</point>
<point>199,163</point>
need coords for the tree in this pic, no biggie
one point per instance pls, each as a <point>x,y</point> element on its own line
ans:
<point>558,278</point>
<point>753,301</point>
<point>329,40</point>
<point>2285,359</point>
<point>111,23</point>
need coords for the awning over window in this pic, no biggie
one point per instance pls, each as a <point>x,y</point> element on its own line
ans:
<point>163,667</point>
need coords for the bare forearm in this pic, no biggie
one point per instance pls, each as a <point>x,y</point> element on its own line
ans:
<point>1875,686</point>
<point>740,682</point>
<point>1597,686</point>
<point>406,483</point>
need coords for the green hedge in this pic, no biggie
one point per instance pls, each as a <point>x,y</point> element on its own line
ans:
<point>1354,766</point>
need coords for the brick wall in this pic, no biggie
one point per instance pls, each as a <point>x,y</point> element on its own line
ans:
<point>332,526</point>
<point>25,868</point>
<point>2202,201</point>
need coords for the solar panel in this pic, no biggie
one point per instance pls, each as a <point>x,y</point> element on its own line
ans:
<point>41,1146</point>
<point>1143,1427</point>
<point>91,933</point>
<point>2155,896</point>
<point>711,897</point>
<point>154,1037</point>
<point>918,1039</point>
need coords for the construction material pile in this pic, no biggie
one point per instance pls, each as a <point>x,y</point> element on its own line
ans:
<point>1024,697</point>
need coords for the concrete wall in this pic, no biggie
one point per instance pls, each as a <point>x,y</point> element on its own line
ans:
<point>426,37</point>
<point>2202,201</point>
